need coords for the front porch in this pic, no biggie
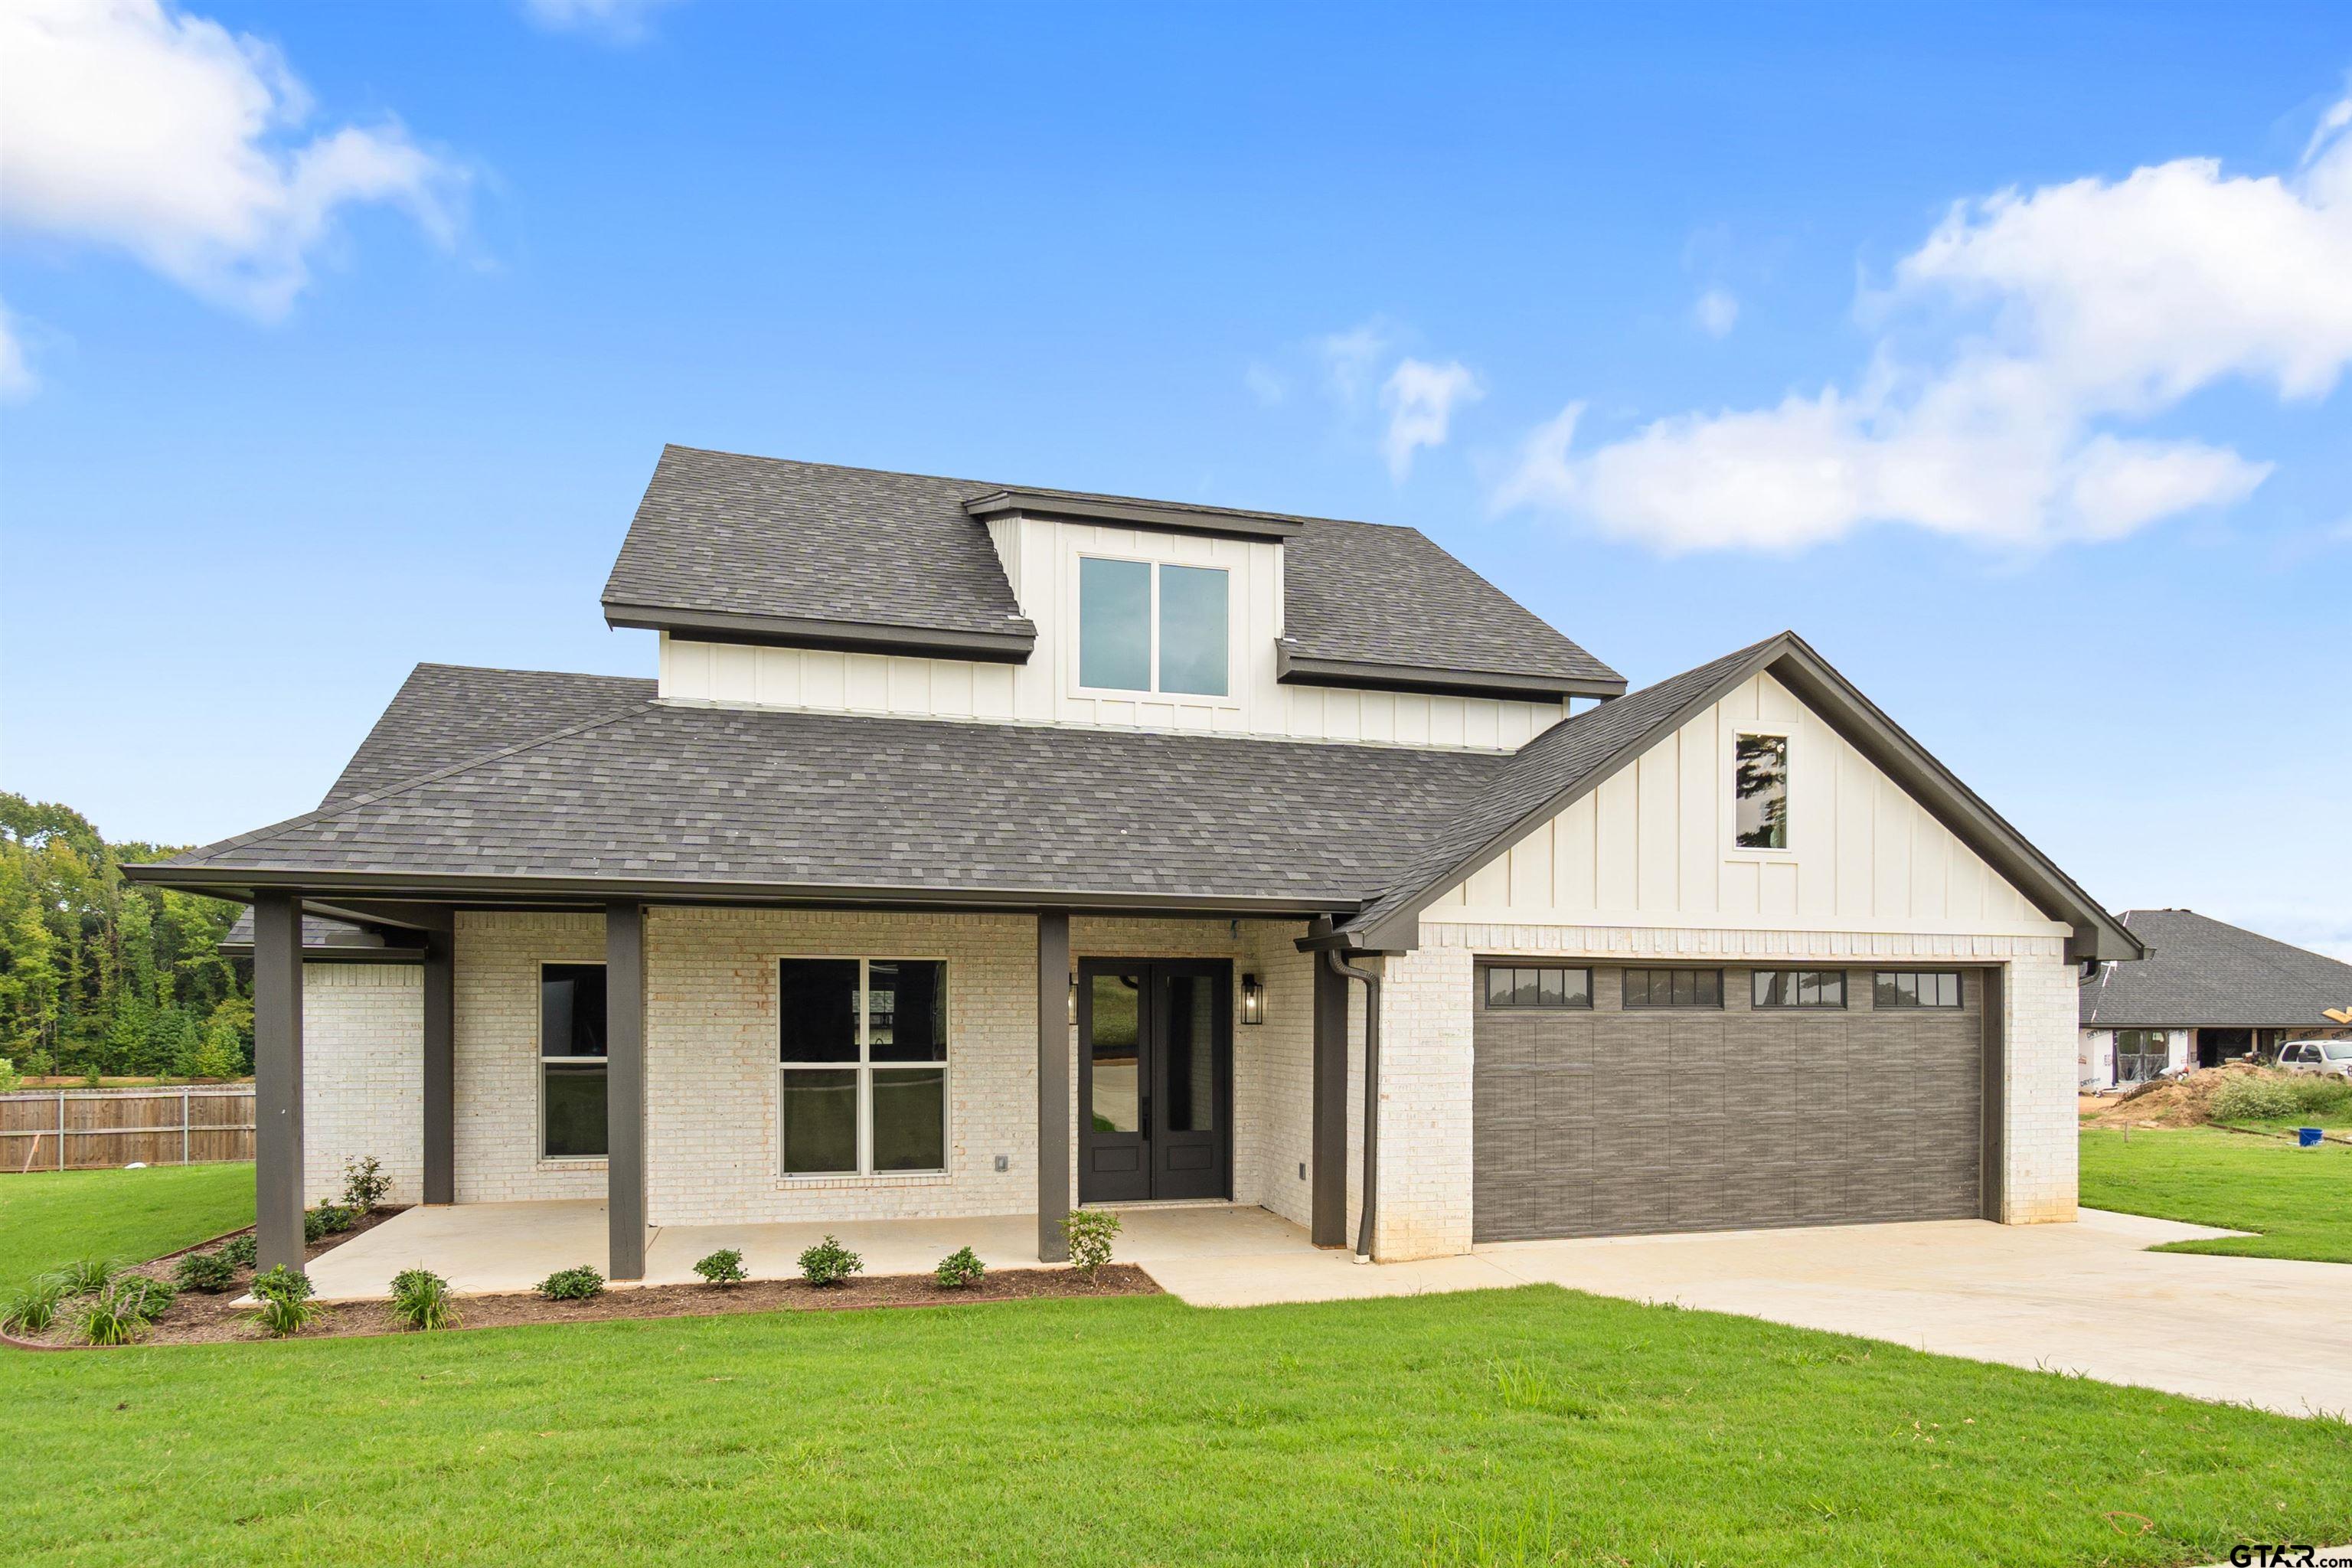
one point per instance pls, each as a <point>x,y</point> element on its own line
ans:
<point>758,1076</point>
<point>494,1248</point>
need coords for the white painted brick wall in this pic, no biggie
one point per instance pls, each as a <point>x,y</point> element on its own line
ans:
<point>2041,1129</point>
<point>363,1075</point>
<point>496,982</point>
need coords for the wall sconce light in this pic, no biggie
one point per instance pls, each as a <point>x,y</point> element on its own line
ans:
<point>1074,1001</point>
<point>1252,1000</point>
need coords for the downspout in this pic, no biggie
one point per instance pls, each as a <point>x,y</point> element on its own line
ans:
<point>1371,980</point>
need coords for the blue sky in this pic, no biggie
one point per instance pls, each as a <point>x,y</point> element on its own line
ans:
<point>1682,324</point>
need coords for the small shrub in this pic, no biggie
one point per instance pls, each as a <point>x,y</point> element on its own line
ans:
<point>364,1185</point>
<point>2315,1095</point>
<point>2252,1097</point>
<point>32,1307</point>
<point>959,1269</point>
<point>328,1219</point>
<point>581,1284</point>
<point>285,1296</point>
<point>88,1276</point>
<point>150,1299</point>
<point>420,1300</point>
<point>724,1267</point>
<point>114,1316</point>
<point>241,1250</point>
<point>829,1263</point>
<point>1088,1232</point>
<point>11,1080</point>
<point>209,1272</point>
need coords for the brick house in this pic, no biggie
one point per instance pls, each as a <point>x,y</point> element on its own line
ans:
<point>983,850</point>
<point>2207,993</point>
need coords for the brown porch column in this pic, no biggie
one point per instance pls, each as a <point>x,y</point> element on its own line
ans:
<point>1327,1196</point>
<point>624,1088</point>
<point>278,1078</point>
<point>1053,1083</point>
<point>440,1132</point>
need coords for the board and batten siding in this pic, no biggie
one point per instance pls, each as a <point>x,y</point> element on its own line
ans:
<point>1653,845</point>
<point>1041,558</point>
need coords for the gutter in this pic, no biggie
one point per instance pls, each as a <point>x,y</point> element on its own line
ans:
<point>1372,979</point>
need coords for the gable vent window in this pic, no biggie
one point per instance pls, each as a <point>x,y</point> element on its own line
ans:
<point>1154,627</point>
<point>1523,986</point>
<point>1799,988</point>
<point>1916,988</point>
<point>1674,988</point>
<point>1760,783</point>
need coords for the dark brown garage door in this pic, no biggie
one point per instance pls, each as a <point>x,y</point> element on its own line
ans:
<point>1703,1111</point>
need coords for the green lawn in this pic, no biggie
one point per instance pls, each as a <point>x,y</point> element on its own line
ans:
<point>1531,1425</point>
<point>55,1216</point>
<point>2299,1199</point>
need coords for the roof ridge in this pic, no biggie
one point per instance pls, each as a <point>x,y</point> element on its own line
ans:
<point>987,485</point>
<point>323,812</point>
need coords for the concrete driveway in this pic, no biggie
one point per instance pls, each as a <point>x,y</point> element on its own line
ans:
<point>2086,1297</point>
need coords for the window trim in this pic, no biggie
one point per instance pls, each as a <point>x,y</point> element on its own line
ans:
<point>1487,967</point>
<point>1844,992</point>
<point>1960,991</point>
<point>863,1067</point>
<point>540,1059</point>
<point>1626,1005</point>
<point>1079,687</point>
<point>1786,733</point>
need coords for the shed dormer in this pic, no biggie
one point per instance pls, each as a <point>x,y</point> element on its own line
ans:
<point>795,585</point>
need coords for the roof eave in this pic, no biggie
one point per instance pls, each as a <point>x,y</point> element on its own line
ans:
<point>1313,670</point>
<point>1128,513</point>
<point>1013,646</point>
<point>242,882</point>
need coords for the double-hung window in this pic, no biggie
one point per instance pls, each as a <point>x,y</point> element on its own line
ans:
<point>572,1061</point>
<point>861,1065</point>
<point>1759,787</point>
<point>1148,626</point>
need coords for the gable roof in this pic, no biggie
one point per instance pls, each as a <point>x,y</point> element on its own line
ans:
<point>694,801</point>
<point>1573,758</point>
<point>725,545</point>
<point>2201,971</point>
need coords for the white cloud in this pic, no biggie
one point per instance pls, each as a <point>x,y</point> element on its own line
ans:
<point>1419,398</point>
<point>1351,358</point>
<point>621,21</point>
<point>2049,317</point>
<point>133,124</point>
<point>1715,312</point>
<point>16,378</point>
<point>1265,384</point>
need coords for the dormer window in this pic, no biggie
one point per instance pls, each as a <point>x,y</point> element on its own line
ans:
<point>1153,626</point>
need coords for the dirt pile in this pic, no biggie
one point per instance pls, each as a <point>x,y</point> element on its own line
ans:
<point>2185,1101</point>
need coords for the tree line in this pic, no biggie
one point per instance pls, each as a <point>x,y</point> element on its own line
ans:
<point>101,976</point>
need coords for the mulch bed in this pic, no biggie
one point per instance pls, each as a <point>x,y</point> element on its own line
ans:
<point>195,1318</point>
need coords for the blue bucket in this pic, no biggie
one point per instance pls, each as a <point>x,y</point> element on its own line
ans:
<point>2307,1137</point>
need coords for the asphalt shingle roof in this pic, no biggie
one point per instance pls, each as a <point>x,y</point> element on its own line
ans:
<point>689,793</point>
<point>2202,971</point>
<point>723,532</point>
<point>445,714</point>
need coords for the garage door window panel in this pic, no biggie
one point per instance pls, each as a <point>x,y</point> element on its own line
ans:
<point>1538,986</point>
<point>1796,987</point>
<point>1916,988</point>
<point>1674,988</point>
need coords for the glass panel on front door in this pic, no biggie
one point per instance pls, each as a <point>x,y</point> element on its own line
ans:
<point>1155,1064</point>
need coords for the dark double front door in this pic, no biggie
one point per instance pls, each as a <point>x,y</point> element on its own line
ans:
<point>1155,1079</point>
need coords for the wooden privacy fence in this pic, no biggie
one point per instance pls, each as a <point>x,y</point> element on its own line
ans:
<point>104,1129</point>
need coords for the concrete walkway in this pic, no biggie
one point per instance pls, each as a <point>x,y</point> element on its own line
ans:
<point>2085,1298</point>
